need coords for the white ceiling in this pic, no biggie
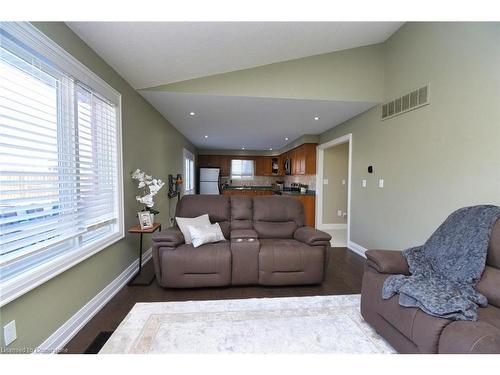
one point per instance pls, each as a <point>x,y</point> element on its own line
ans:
<point>254,123</point>
<point>149,54</point>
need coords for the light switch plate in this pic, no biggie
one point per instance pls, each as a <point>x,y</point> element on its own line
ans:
<point>9,332</point>
<point>325,181</point>
<point>339,212</point>
<point>343,182</point>
<point>363,183</point>
<point>381,183</point>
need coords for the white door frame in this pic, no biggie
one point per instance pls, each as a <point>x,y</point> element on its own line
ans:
<point>320,157</point>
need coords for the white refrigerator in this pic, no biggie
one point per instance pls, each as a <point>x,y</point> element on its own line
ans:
<point>209,181</point>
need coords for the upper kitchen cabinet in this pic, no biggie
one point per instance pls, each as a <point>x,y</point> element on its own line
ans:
<point>310,158</point>
<point>303,162</point>
<point>225,166</point>
<point>303,159</point>
<point>263,166</point>
<point>208,161</point>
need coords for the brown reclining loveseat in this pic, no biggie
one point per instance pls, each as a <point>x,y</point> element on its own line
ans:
<point>266,243</point>
<point>410,330</point>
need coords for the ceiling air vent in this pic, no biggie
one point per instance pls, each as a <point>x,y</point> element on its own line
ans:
<point>413,100</point>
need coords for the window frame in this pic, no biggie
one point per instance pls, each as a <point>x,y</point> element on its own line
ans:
<point>243,177</point>
<point>18,285</point>
<point>188,155</point>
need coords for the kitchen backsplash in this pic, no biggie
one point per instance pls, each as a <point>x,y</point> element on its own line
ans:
<point>257,181</point>
<point>309,180</point>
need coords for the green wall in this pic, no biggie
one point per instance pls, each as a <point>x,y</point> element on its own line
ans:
<point>350,75</point>
<point>149,142</point>
<point>437,158</point>
<point>336,169</point>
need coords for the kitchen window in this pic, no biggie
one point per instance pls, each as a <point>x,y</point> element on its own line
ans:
<point>242,169</point>
<point>60,166</point>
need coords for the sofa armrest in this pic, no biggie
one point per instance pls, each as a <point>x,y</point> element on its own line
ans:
<point>387,261</point>
<point>470,337</point>
<point>170,237</point>
<point>243,233</point>
<point>312,236</point>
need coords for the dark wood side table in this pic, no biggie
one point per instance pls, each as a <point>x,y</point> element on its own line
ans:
<point>137,229</point>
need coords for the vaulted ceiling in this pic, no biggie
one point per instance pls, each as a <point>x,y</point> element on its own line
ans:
<point>152,54</point>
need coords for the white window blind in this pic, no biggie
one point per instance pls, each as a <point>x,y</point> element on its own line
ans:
<point>59,177</point>
<point>242,169</point>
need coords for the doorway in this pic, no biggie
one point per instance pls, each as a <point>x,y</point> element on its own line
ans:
<point>333,189</point>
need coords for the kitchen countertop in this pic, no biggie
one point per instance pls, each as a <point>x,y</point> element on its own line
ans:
<point>248,188</point>
<point>286,191</point>
<point>295,192</point>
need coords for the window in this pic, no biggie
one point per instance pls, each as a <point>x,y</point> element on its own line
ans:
<point>242,169</point>
<point>60,166</point>
<point>188,172</point>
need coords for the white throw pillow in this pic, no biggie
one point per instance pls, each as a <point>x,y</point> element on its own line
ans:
<point>183,223</point>
<point>205,234</point>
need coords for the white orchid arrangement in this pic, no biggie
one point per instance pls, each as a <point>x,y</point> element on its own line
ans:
<point>150,187</point>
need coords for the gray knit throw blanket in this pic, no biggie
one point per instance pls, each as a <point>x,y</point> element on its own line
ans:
<point>446,268</point>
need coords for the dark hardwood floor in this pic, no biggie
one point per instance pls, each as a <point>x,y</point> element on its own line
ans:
<point>343,276</point>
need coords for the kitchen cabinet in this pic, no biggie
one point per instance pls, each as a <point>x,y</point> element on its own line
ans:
<point>263,166</point>
<point>281,165</point>
<point>303,159</point>
<point>225,165</point>
<point>303,162</point>
<point>208,161</point>
<point>310,158</point>
<point>309,204</point>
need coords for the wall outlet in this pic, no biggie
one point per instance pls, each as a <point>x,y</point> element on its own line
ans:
<point>363,183</point>
<point>9,332</point>
<point>339,213</point>
<point>381,183</point>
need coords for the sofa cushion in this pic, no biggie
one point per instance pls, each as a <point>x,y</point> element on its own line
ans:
<point>277,216</point>
<point>187,267</point>
<point>185,222</point>
<point>490,315</point>
<point>470,338</point>
<point>218,208</point>
<point>241,212</point>
<point>287,261</point>
<point>489,285</point>
<point>205,234</point>
<point>493,259</point>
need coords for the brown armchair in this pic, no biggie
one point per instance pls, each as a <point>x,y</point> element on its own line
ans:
<point>410,330</point>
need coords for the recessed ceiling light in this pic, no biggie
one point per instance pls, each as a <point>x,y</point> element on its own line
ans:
<point>192,113</point>
<point>243,148</point>
<point>206,136</point>
<point>286,138</point>
<point>316,118</point>
<point>270,148</point>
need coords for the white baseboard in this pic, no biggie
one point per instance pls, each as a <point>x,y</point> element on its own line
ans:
<point>332,226</point>
<point>358,249</point>
<point>56,342</point>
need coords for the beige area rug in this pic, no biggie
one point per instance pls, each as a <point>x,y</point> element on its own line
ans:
<point>320,324</point>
